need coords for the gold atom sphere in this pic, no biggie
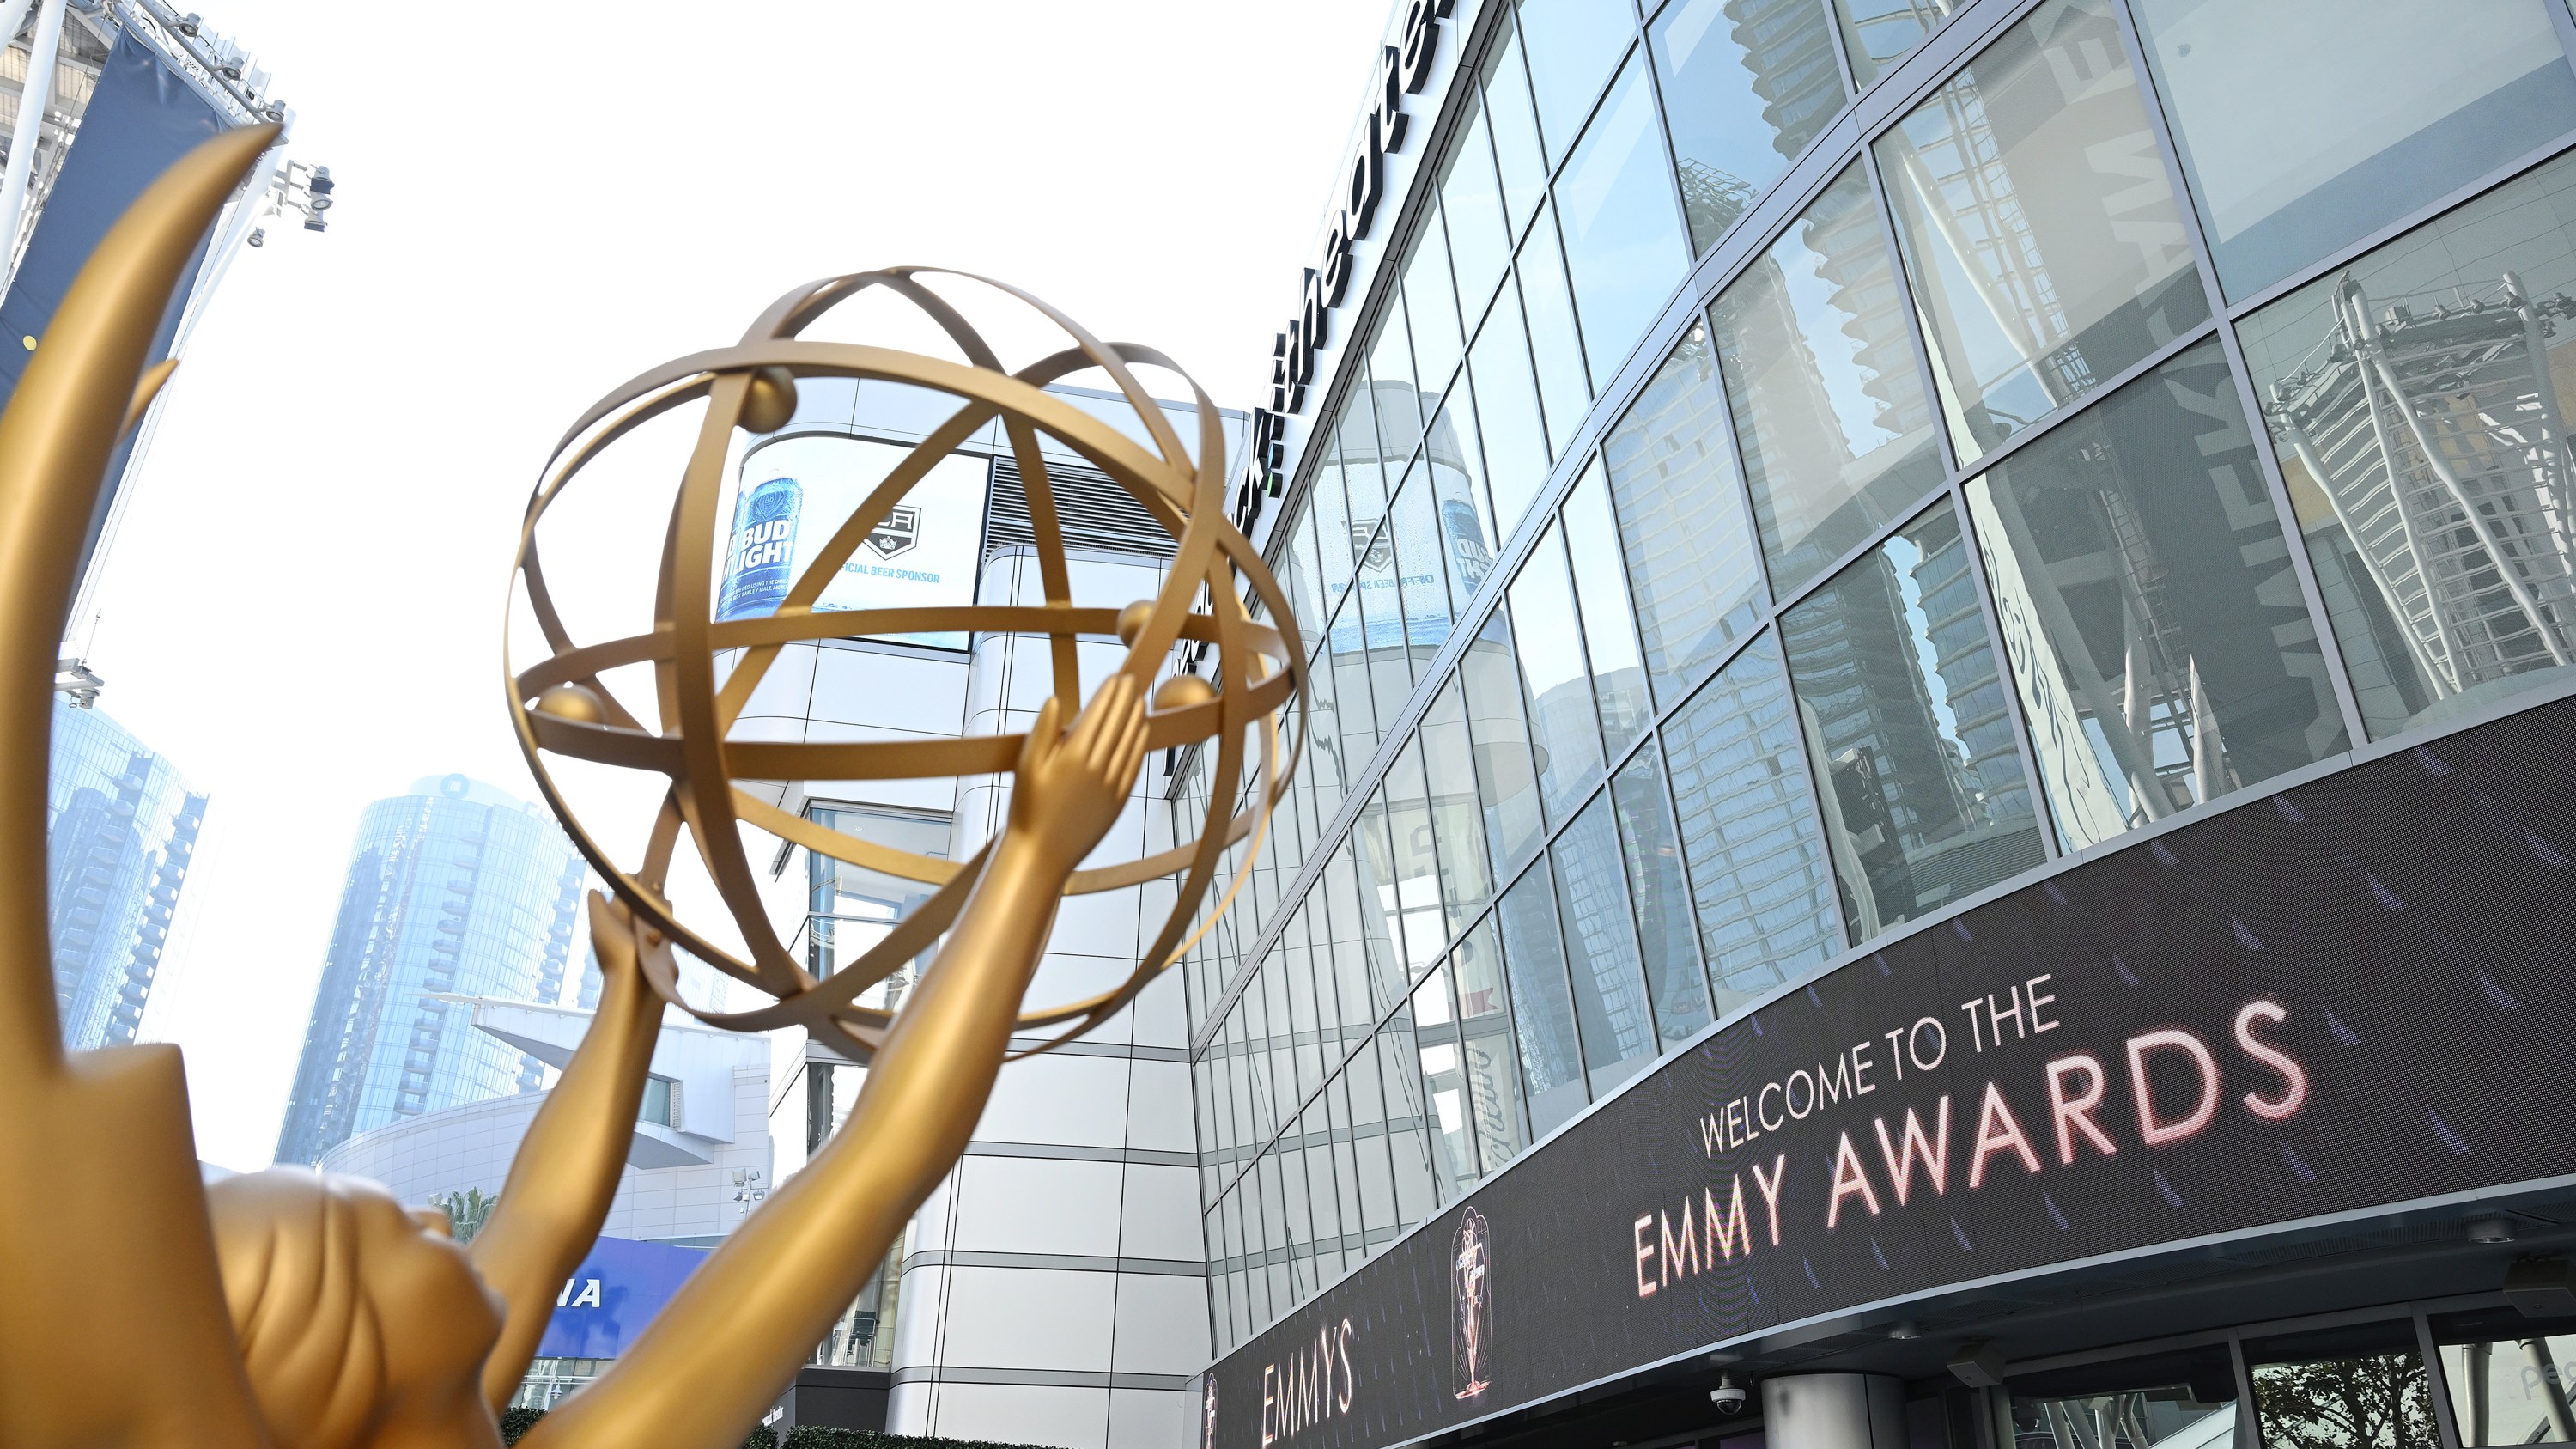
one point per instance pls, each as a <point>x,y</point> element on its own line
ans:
<point>705,670</point>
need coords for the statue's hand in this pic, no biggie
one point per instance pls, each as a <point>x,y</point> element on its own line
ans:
<point>1071,785</point>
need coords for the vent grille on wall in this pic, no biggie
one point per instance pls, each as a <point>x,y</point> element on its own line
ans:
<point>1093,512</point>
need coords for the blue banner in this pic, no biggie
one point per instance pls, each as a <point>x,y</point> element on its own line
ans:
<point>615,1292</point>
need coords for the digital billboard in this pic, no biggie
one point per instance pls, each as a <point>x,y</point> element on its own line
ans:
<point>793,494</point>
<point>2352,994</point>
<point>608,1300</point>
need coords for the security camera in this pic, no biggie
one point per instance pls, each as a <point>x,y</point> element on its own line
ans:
<point>1728,1396</point>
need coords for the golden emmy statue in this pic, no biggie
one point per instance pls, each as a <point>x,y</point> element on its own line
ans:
<point>291,1309</point>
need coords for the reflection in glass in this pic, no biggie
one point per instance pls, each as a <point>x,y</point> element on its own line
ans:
<point>1408,884</point>
<point>1304,584</point>
<point>1430,307</point>
<point>1364,461</point>
<point>1382,597</point>
<point>1835,432</point>
<point>1398,397</point>
<point>2293,154</point>
<point>2507,1376</point>
<point>1624,243</point>
<point>1542,1012</point>
<point>1609,624</point>
<point>2362,1387</point>
<point>2417,403</point>
<point>1346,943</point>
<point>1902,713</point>
<point>2040,234</point>
<point>1516,455</point>
<point>1749,831</point>
<point>1572,46</point>
<point>1690,556</point>
<point>851,908</point>
<point>1376,1172</point>
<point>1313,1140</point>
<point>1444,1085</point>
<point>1380,904</point>
<point>1506,775</point>
<point>1564,388</point>
<point>1414,519</point>
<point>1746,87</point>
<point>1673,979</point>
<point>1458,491</point>
<point>1472,204</point>
<point>1457,820</point>
<point>1563,725</point>
<point>2172,1400</point>
<point>1515,130</point>
<point>1408,1118</point>
<point>1878,33</point>
<point>2148,609</point>
<point>1485,1035</point>
<point>1611,1014</point>
<point>1332,526</point>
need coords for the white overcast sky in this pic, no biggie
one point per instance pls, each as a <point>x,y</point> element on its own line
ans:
<point>303,608</point>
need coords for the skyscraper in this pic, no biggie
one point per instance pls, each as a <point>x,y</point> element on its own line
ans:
<point>123,829</point>
<point>454,889</point>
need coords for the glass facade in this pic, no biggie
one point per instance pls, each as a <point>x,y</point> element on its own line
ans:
<point>121,831</point>
<point>454,889</point>
<point>2079,413</point>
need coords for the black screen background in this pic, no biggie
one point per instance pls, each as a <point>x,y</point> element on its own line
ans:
<point>2412,915</point>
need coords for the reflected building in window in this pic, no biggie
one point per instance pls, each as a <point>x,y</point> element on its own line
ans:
<point>2433,423</point>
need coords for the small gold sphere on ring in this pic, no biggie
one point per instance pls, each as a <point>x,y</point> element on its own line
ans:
<point>771,401</point>
<point>573,702</point>
<point>1131,621</point>
<point>1182,691</point>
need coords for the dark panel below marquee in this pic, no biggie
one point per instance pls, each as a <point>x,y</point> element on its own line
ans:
<point>2350,995</point>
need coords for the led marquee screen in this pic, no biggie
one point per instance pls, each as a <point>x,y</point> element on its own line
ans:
<point>2354,993</point>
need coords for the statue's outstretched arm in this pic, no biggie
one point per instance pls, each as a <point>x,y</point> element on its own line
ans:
<point>770,1293</point>
<point>566,1172</point>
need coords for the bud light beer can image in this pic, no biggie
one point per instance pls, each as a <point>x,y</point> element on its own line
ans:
<point>758,566</point>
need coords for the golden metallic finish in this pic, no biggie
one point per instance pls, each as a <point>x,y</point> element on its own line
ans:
<point>292,1310</point>
<point>704,670</point>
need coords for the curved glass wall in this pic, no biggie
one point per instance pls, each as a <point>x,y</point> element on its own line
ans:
<point>2115,410</point>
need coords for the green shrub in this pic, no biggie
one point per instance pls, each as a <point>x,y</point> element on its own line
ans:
<point>814,1436</point>
<point>515,1422</point>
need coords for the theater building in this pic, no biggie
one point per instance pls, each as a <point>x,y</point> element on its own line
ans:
<point>1937,808</point>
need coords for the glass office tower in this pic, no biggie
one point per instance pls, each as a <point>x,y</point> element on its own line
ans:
<point>121,833</point>
<point>455,890</point>
<point>1899,464</point>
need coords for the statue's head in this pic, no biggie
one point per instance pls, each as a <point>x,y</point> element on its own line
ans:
<point>357,1318</point>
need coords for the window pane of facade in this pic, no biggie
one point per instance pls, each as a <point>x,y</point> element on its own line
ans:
<point>1878,33</point>
<point>1333,556</point>
<point>1609,623</point>
<point>2044,244</point>
<point>1391,379</point>
<point>2507,1376</point>
<point>1830,416</point>
<point>1347,946</point>
<point>1564,388</point>
<point>1563,729</point>
<point>1381,916</point>
<point>1364,480</point>
<point>2362,1387</point>
<point>1457,820</point>
<point>1420,564</point>
<point>1304,585</point>
<point>1485,1037</point>
<point>2421,378</point>
<point>1431,306</point>
<point>1324,1191</point>
<point>1408,1119</point>
<point>1458,491</point>
<point>1516,455</point>
<point>1690,554</point>
<point>1674,982</point>
<point>1369,1146</point>
<point>1573,45</point>
<point>1901,706</point>
<point>1348,640</point>
<point>1378,593</point>
<point>1515,130</point>
<point>1611,1013</point>
<point>1444,1085</point>
<point>1624,243</point>
<point>1296,969</point>
<point>1471,202</point>
<point>1506,780</point>
<point>2155,629</point>
<point>1542,1008</point>
<point>1414,893</point>
<point>2290,159</point>
<point>1741,98</point>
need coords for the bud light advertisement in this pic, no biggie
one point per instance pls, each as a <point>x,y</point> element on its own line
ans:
<point>794,495</point>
